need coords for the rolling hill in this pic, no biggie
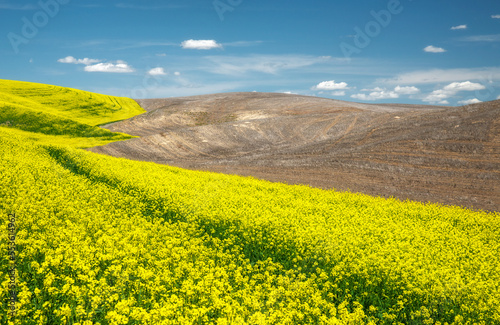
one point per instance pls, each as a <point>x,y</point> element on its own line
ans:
<point>52,114</point>
<point>449,155</point>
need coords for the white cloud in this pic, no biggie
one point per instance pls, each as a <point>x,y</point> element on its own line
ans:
<point>450,90</point>
<point>119,67</point>
<point>410,90</point>
<point>157,72</point>
<point>376,95</point>
<point>437,96</point>
<point>486,74</point>
<point>200,44</point>
<point>382,93</point>
<point>68,59</point>
<point>338,93</point>
<point>86,61</point>
<point>434,49</point>
<point>93,65</point>
<point>459,27</point>
<point>495,16</point>
<point>464,86</point>
<point>177,73</point>
<point>498,97</point>
<point>331,85</point>
<point>469,101</point>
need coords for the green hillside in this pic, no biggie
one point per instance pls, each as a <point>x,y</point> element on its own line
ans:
<point>102,240</point>
<point>47,111</point>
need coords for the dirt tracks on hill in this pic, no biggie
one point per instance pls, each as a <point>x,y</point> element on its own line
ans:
<point>449,155</point>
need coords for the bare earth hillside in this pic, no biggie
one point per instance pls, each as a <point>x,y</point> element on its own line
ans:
<point>449,155</point>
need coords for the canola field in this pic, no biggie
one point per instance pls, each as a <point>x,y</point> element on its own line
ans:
<point>102,240</point>
<point>60,115</point>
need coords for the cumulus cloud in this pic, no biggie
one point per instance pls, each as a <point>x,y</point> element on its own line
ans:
<point>377,94</point>
<point>495,16</point>
<point>200,44</point>
<point>382,93</point>
<point>86,61</point>
<point>469,101</point>
<point>93,65</point>
<point>157,72</point>
<point>464,86</point>
<point>119,67</point>
<point>498,97</point>
<point>331,85</point>
<point>437,96</point>
<point>459,27</point>
<point>338,93</point>
<point>440,95</point>
<point>410,90</point>
<point>434,49</point>
<point>177,73</point>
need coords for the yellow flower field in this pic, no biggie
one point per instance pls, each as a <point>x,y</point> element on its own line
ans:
<point>111,241</point>
<point>77,105</point>
<point>102,240</point>
<point>57,115</point>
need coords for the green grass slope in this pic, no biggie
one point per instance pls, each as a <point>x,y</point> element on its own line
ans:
<point>102,240</point>
<point>73,115</point>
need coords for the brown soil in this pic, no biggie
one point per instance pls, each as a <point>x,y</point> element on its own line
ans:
<point>449,155</point>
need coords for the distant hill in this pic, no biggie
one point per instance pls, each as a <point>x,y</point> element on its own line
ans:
<point>43,112</point>
<point>440,154</point>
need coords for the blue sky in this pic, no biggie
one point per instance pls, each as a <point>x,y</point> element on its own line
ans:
<point>443,52</point>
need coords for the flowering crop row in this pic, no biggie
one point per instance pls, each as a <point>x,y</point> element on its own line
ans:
<point>103,240</point>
